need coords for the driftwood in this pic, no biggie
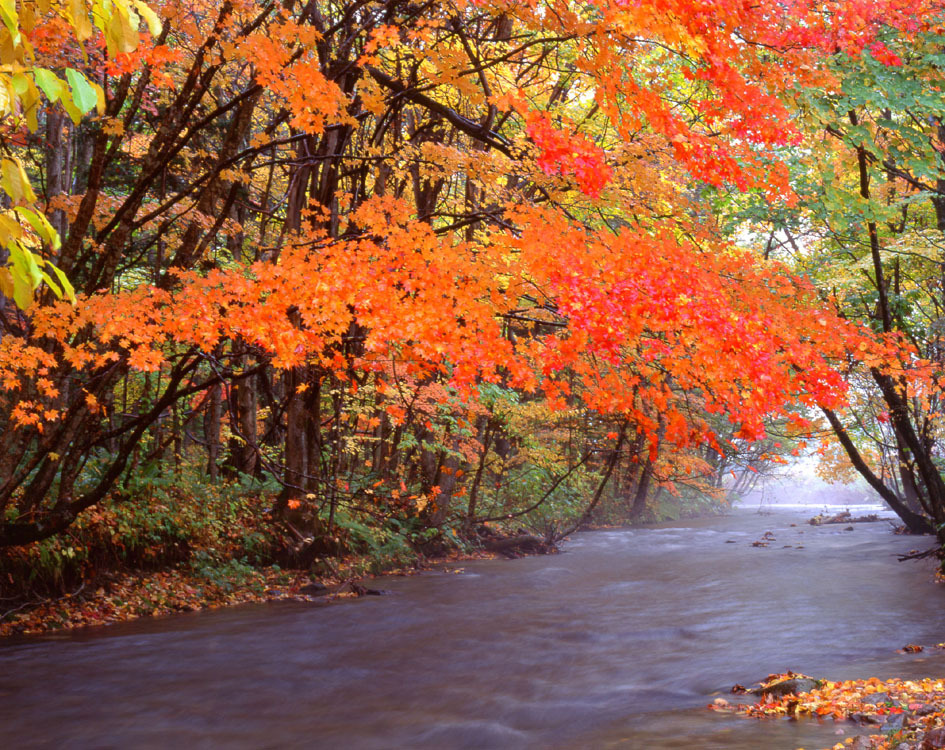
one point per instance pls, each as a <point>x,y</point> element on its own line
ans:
<point>358,590</point>
<point>844,517</point>
<point>915,555</point>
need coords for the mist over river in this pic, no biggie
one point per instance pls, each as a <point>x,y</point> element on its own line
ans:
<point>619,641</point>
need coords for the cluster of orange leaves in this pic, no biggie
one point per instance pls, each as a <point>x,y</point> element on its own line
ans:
<point>314,100</point>
<point>651,320</point>
<point>157,57</point>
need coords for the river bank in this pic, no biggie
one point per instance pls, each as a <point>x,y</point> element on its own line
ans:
<point>123,596</point>
<point>193,552</point>
<point>124,593</point>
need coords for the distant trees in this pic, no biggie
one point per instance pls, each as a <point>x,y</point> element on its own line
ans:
<point>869,231</point>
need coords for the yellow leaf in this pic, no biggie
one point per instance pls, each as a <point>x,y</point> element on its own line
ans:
<point>150,17</point>
<point>27,18</point>
<point>120,35</point>
<point>10,230</point>
<point>15,182</point>
<point>10,19</point>
<point>6,282</point>
<point>80,19</point>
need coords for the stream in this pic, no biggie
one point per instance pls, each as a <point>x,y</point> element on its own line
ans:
<point>620,641</point>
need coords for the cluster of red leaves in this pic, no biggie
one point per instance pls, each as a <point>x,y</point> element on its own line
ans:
<point>739,90</point>
<point>561,152</point>
<point>883,54</point>
<point>869,702</point>
<point>653,317</point>
<point>848,26</point>
<point>51,38</point>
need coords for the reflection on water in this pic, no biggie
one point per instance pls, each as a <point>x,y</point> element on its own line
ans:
<point>618,642</point>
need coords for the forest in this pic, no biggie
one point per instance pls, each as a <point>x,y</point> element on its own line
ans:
<point>323,288</point>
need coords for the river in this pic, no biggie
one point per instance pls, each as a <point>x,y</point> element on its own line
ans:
<point>620,641</point>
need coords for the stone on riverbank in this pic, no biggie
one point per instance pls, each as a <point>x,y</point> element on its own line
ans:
<point>791,686</point>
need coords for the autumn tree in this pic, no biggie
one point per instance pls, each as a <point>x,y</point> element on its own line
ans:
<point>326,230</point>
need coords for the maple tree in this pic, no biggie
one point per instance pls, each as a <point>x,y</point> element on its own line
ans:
<point>346,245</point>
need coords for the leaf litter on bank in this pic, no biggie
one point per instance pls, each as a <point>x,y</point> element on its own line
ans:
<point>127,596</point>
<point>123,596</point>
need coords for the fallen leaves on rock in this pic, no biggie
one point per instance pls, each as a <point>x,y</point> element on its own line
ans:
<point>895,714</point>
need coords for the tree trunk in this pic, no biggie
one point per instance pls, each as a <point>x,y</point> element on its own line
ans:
<point>916,523</point>
<point>638,507</point>
<point>55,157</point>
<point>294,443</point>
<point>243,448</point>
<point>212,431</point>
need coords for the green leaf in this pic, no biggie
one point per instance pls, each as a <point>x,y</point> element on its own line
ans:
<point>25,274</point>
<point>50,83</point>
<point>25,263</point>
<point>83,93</point>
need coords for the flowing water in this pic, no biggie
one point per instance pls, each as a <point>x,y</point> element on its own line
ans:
<point>620,641</point>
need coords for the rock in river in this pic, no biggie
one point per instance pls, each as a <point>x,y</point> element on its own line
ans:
<point>790,686</point>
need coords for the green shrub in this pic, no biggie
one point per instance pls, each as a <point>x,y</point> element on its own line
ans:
<point>151,522</point>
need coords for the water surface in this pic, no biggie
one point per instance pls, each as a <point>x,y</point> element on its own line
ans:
<point>620,641</point>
